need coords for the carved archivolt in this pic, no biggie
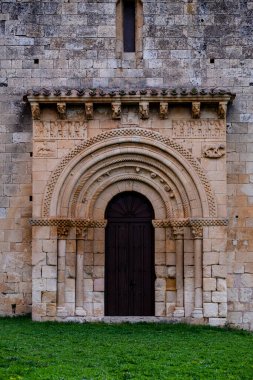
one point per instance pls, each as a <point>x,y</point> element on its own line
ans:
<point>134,168</point>
<point>184,162</point>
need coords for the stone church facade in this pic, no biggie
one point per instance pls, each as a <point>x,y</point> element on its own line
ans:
<point>126,144</point>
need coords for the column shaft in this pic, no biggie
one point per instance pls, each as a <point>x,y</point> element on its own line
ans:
<point>79,273</point>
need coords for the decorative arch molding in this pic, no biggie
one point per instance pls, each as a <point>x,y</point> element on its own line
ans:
<point>84,161</point>
<point>127,167</point>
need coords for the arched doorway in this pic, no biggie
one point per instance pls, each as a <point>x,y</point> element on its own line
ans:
<point>129,256</point>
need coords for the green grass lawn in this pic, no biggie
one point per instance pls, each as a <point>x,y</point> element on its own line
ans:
<point>30,350</point>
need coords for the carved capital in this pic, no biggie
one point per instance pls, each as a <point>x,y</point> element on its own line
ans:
<point>89,111</point>
<point>195,110</point>
<point>61,108</point>
<point>178,232</point>
<point>144,110</point>
<point>81,233</point>
<point>116,110</point>
<point>63,231</point>
<point>164,110</point>
<point>222,110</point>
<point>197,232</point>
<point>35,108</point>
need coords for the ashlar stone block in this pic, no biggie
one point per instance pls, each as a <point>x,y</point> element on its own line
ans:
<point>210,309</point>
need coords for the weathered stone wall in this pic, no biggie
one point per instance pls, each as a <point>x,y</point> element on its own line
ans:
<point>73,44</point>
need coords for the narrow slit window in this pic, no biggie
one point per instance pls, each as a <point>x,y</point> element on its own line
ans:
<point>129,16</point>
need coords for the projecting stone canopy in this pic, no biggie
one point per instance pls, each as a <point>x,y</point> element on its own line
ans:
<point>142,97</point>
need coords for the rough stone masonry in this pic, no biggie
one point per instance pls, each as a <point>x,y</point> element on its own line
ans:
<point>72,103</point>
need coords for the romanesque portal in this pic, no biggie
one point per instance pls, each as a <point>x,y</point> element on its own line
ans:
<point>129,204</point>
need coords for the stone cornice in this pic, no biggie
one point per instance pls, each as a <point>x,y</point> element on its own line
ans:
<point>129,97</point>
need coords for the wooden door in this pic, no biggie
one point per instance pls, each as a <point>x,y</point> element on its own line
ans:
<point>129,256</point>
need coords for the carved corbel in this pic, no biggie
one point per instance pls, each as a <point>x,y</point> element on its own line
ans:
<point>222,110</point>
<point>144,110</point>
<point>116,110</point>
<point>35,108</point>
<point>89,111</point>
<point>62,109</point>
<point>63,231</point>
<point>197,232</point>
<point>164,110</point>
<point>196,110</point>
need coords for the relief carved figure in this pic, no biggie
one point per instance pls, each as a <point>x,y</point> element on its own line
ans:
<point>44,149</point>
<point>195,110</point>
<point>164,110</point>
<point>214,151</point>
<point>35,108</point>
<point>89,111</point>
<point>144,110</point>
<point>61,108</point>
<point>116,110</point>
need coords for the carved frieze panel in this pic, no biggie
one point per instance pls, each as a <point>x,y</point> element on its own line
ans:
<point>207,129</point>
<point>60,130</point>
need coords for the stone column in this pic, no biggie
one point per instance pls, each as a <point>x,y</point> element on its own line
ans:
<point>81,235</point>
<point>62,233</point>
<point>179,237</point>
<point>198,272</point>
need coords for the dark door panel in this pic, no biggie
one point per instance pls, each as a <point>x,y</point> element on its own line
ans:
<point>129,256</point>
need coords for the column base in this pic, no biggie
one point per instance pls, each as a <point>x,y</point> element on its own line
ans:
<point>61,311</point>
<point>80,312</point>
<point>179,312</point>
<point>197,313</point>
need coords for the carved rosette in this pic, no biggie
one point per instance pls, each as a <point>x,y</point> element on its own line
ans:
<point>116,111</point>
<point>144,110</point>
<point>35,108</point>
<point>62,109</point>
<point>222,110</point>
<point>89,111</point>
<point>164,108</point>
<point>195,110</point>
